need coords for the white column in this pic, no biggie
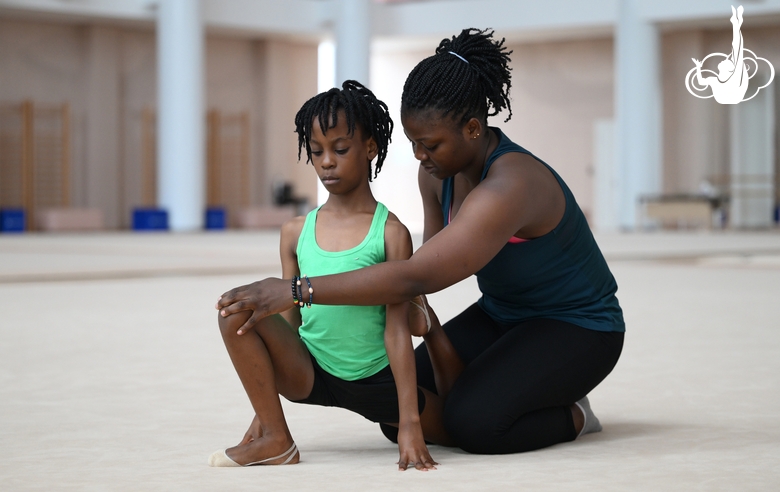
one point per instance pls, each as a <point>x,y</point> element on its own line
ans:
<point>637,110</point>
<point>753,161</point>
<point>353,41</point>
<point>102,166</point>
<point>326,79</point>
<point>607,186</point>
<point>180,142</point>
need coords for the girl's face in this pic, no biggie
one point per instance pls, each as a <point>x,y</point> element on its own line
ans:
<point>342,161</point>
<point>443,147</point>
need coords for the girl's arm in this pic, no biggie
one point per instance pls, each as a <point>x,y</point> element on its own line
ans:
<point>288,246</point>
<point>398,342</point>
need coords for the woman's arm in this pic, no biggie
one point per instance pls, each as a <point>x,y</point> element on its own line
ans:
<point>398,343</point>
<point>519,196</point>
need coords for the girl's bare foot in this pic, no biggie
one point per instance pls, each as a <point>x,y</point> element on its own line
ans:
<point>419,316</point>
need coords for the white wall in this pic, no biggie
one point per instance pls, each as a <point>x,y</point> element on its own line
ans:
<point>558,90</point>
<point>396,185</point>
<point>108,76</point>
<point>290,78</point>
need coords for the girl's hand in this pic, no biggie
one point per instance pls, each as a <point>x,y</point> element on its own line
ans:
<point>254,432</point>
<point>263,298</point>
<point>412,449</point>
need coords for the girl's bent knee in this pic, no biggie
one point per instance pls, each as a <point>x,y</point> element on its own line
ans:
<point>229,325</point>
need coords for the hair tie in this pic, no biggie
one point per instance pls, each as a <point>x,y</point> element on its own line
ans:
<point>453,53</point>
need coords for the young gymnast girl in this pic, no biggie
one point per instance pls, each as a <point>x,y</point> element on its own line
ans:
<point>355,357</point>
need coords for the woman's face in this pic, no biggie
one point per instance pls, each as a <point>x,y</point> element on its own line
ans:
<point>443,147</point>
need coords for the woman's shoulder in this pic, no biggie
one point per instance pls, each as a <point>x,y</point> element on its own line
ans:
<point>507,146</point>
<point>528,188</point>
<point>518,168</point>
<point>510,158</point>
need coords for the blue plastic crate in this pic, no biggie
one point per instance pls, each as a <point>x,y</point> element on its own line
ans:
<point>216,218</point>
<point>150,219</point>
<point>12,220</point>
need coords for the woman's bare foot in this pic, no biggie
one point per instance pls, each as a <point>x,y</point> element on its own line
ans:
<point>265,451</point>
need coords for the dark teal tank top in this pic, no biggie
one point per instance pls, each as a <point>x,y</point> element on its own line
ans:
<point>561,275</point>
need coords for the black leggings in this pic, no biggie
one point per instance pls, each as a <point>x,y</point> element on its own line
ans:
<point>519,381</point>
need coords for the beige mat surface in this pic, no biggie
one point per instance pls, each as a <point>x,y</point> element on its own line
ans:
<point>121,383</point>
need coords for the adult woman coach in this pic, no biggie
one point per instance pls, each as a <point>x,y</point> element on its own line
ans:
<point>548,327</point>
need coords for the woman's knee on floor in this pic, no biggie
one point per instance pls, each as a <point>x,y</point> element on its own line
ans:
<point>473,435</point>
<point>472,425</point>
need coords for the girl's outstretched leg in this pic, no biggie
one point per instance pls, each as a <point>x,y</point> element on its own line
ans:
<point>269,360</point>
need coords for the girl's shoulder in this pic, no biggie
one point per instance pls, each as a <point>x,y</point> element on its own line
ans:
<point>394,226</point>
<point>296,223</point>
<point>398,240</point>
<point>291,229</point>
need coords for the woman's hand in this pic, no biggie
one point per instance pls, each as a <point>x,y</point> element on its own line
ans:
<point>412,448</point>
<point>263,298</point>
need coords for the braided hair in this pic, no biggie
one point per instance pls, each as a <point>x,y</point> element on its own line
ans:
<point>468,77</point>
<point>360,106</point>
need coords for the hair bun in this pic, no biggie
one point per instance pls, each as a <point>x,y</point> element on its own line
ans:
<point>477,88</point>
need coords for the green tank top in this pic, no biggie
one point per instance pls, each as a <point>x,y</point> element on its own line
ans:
<point>347,341</point>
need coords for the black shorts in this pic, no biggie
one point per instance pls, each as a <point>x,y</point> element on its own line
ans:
<point>374,397</point>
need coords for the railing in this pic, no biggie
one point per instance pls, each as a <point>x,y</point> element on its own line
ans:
<point>34,157</point>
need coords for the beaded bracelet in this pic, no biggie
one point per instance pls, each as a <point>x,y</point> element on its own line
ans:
<point>293,285</point>
<point>311,291</point>
<point>300,292</point>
